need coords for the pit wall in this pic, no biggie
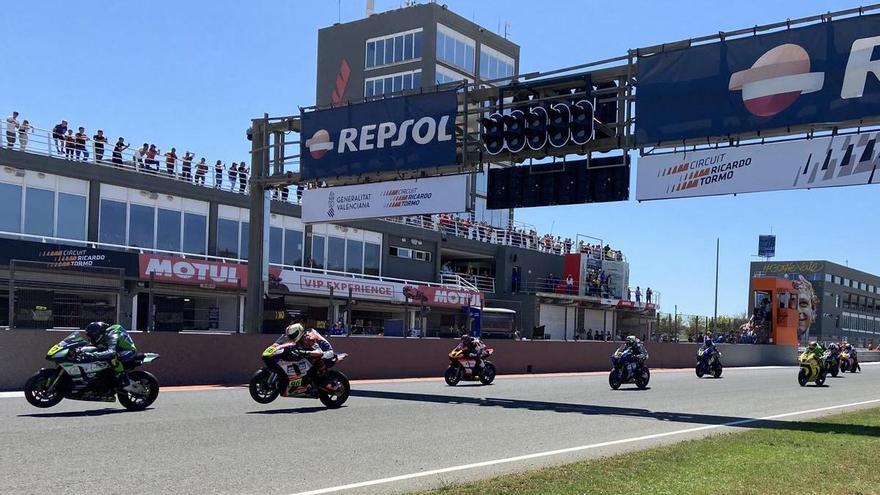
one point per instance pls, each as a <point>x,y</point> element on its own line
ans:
<point>197,359</point>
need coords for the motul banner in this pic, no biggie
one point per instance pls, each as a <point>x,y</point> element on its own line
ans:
<point>451,298</point>
<point>191,271</point>
<point>821,162</point>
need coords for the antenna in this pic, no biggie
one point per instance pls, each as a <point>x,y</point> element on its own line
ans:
<point>371,7</point>
<point>506,29</point>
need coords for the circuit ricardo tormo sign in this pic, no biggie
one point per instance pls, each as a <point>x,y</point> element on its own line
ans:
<point>386,199</point>
<point>822,162</point>
<point>388,135</point>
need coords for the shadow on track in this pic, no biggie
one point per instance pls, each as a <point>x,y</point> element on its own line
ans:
<point>672,417</point>
<point>81,414</point>
<point>293,410</point>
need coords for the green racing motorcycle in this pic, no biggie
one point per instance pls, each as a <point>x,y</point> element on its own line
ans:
<point>91,381</point>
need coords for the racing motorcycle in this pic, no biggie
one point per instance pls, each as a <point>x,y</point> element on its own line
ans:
<point>627,368</point>
<point>831,361</point>
<point>462,367</point>
<point>849,361</point>
<point>92,381</point>
<point>283,372</point>
<point>708,361</point>
<point>812,370</point>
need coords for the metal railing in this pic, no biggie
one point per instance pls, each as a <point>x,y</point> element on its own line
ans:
<point>555,285</point>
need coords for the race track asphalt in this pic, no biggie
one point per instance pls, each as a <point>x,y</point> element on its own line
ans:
<point>221,442</point>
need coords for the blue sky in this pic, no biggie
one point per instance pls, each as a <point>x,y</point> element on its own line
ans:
<point>192,74</point>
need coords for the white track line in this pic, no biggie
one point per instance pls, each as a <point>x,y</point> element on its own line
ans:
<point>548,453</point>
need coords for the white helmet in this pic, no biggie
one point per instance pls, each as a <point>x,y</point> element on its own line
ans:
<point>295,332</point>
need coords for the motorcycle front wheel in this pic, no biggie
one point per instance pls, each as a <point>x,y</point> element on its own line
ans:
<point>138,401</point>
<point>699,370</point>
<point>36,389</point>
<point>802,377</point>
<point>261,389</point>
<point>835,369</point>
<point>452,376</point>
<point>335,398</point>
<point>614,379</point>
<point>844,367</point>
<point>487,376</point>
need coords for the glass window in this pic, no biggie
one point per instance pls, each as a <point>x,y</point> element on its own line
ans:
<point>368,91</point>
<point>380,88</point>
<point>371,258</point>
<point>227,238</point>
<point>417,45</point>
<point>828,277</point>
<point>407,81</point>
<point>293,247</point>
<point>111,223</point>
<point>195,233</point>
<point>398,49</point>
<point>389,84</point>
<point>417,79</point>
<point>354,256</point>
<point>380,53</point>
<point>318,250</point>
<point>243,251</point>
<point>469,58</point>
<point>408,46</point>
<point>336,253</point>
<point>39,212</point>
<point>168,230</point>
<point>10,205</point>
<point>141,224</point>
<point>371,54</point>
<point>449,50</point>
<point>276,240</point>
<point>71,216</point>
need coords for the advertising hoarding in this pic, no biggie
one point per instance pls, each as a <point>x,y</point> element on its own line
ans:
<point>386,199</point>
<point>767,246</point>
<point>172,269</point>
<point>821,73</point>
<point>66,256</point>
<point>821,162</point>
<point>388,135</point>
<point>361,288</point>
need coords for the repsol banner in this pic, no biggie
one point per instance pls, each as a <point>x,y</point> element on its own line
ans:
<point>400,133</point>
<point>172,269</point>
<point>386,199</point>
<point>821,162</point>
<point>825,72</point>
<point>65,256</point>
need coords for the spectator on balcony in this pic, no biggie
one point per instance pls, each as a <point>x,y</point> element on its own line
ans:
<point>628,294</point>
<point>590,334</point>
<point>11,129</point>
<point>233,175</point>
<point>152,163</point>
<point>567,244</point>
<point>638,295</point>
<point>569,284</point>
<point>99,140</point>
<point>299,192</point>
<point>218,174</point>
<point>69,144</point>
<point>285,193</point>
<point>23,130</point>
<point>118,148</point>
<point>648,295</point>
<point>139,155</point>
<point>242,178</point>
<point>171,162</point>
<point>81,138</point>
<point>201,171</point>
<point>337,329</point>
<point>186,166</point>
<point>58,133</point>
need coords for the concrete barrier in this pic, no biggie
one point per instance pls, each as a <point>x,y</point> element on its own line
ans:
<point>194,359</point>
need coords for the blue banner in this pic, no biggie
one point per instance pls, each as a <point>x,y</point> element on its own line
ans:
<point>822,73</point>
<point>399,133</point>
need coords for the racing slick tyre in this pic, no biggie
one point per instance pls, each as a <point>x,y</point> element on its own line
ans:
<point>143,398</point>
<point>835,369</point>
<point>643,379</point>
<point>36,389</point>
<point>261,390</point>
<point>820,380</point>
<point>699,371</point>
<point>614,379</point>
<point>487,376</point>
<point>716,372</point>
<point>341,390</point>
<point>844,367</point>
<point>452,376</point>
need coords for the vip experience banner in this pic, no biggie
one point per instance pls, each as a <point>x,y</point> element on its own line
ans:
<point>822,162</point>
<point>386,199</point>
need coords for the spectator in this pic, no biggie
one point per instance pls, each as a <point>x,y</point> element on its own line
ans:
<point>171,162</point>
<point>299,193</point>
<point>139,156</point>
<point>590,334</point>
<point>201,171</point>
<point>152,163</point>
<point>648,295</point>
<point>338,328</point>
<point>69,144</point>
<point>58,135</point>
<point>99,140</point>
<point>638,295</point>
<point>628,294</point>
<point>233,175</point>
<point>118,148</point>
<point>285,193</point>
<point>242,177</point>
<point>218,174</point>
<point>81,139</point>
<point>186,166</point>
<point>569,284</point>
<point>23,131</point>
<point>11,129</point>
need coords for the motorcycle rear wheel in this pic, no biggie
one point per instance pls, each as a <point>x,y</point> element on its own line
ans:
<point>614,379</point>
<point>139,402</point>
<point>35,389</point>
<point>643,379</point>
<point>487,376</point>
<point>844,367</point>
<point>835,369</point>
<point>716,372</point>
<point>335,399</point>
<point>820,380</point>
<point>261,390</point>
<point>452,376</point>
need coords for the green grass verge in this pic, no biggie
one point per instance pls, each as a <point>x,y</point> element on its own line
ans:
<point>832,455</point>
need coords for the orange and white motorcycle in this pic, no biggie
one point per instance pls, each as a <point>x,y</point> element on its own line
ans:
<point>462,367</point>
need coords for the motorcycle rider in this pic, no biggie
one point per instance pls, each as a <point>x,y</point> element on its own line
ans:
<point>310,344</point>
<point>637,349</point>
<point>816,350</point>
<point>853,357</point>
<point>112,344</point>
<point>474,348</point>
<point>709,345</point>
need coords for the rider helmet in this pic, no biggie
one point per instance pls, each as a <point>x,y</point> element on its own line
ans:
<point>631,340</point>
<point>295,332</point>
<point>96,330</point>
<point>812,345</point>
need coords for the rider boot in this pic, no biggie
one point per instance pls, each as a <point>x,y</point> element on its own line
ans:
<point>122,380</point>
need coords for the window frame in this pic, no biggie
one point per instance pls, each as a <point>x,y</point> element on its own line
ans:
<point>384,39</point>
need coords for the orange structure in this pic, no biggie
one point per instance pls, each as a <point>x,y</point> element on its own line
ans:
<point>782,314</point>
